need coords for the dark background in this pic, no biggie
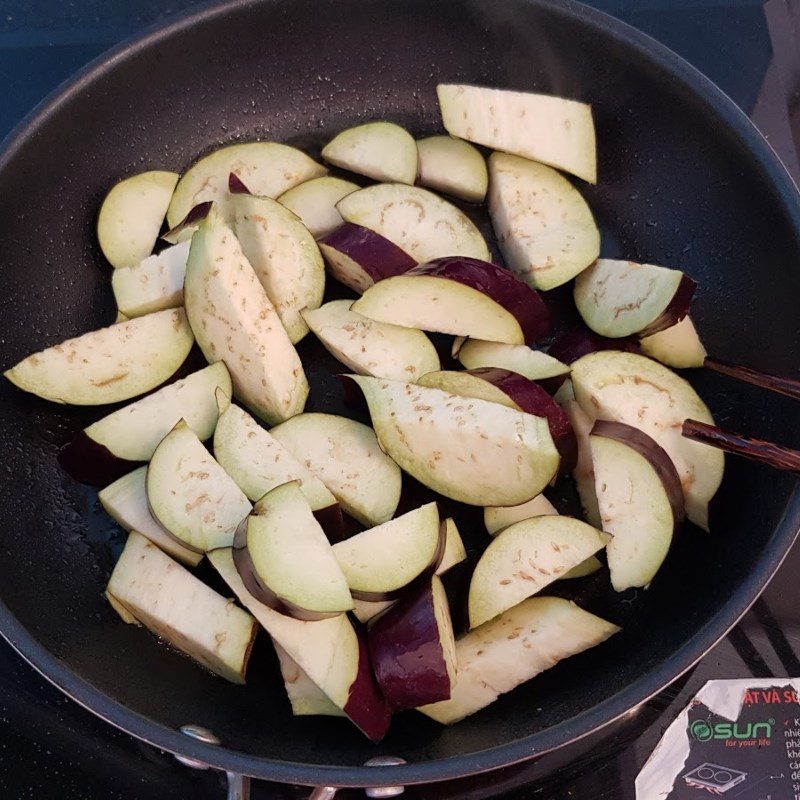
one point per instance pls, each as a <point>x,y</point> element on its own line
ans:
<point>51,748</point>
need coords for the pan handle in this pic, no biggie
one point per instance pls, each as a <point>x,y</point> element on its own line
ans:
<point>239,785</point>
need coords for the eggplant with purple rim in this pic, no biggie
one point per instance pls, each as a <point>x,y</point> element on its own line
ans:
<point>630,388</point>
<point>622,298</point>
<point>116,444</point>
<point>470,450</point>
<point>286,561</point>
<point>454,553</point>
<point>413,649</point>
<point>330,651</point>
<point>421,223</point>
<point>533,364</point>
<point>514,391</point>
<point>359,257</point>
<point>184,230</point>
<point>379,563</point>
<point>513,648</point>
<point>460,296</point>
<point>641,522</point>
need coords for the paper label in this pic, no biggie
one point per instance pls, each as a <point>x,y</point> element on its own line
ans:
<point>737,739</point>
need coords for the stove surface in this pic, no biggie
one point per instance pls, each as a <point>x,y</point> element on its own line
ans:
<point>52,748</point>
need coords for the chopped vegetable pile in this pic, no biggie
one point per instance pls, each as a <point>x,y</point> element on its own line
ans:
<point>303,514</point>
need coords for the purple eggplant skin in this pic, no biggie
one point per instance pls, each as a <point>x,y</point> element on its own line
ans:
<point>236,184</point>
<point>533,399</point>
<point>253,583</point>
<point>677,309</point>
<point>378,257</point>
<point>648,448</point>
<point>331,521</point>
<point>196,214</point>
<point>407,653</point>
<point>577,343</point>
<point>366,706</point>
<point>92,463</point>
<point>501,285</point>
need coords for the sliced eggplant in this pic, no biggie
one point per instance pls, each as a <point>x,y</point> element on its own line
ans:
<point>454,553</point>
<point>678,347</point>
<point>131,216</point>
<point>544,227</point>
<point>416,220</point>
<point>346,457</point>
<point>454,550</point>
<point>533,364</point>
<point>185,229</point>
<point>191,495</point>
<point>526,557</point>
<point>108,365</point>
<point>283,255</point>
<point>371,348</point>
<point>478,452</point>
<point>620,298</point>
<point>460,296</point>
<point>114,445</point>
<point>329,651</point>
<point>359,257</point>
<point>412,648</point>
<point>314,202</point>
<point>641,521</point>
<point>382,151</point>
<point>126,501</point>
<point>258,462</point>
<point>553,130</point>
<point>166,598</point>
<point>516,391</point>
<point>235,322</point>
<point>382,561</point>
<point>626,387</point>
<point>306,698</point>
<point>499,518</point>
<point>583,474</point>
<point>286,561</point>
<point>268,169</point>
<point>515,647</point>
<point>153,284</point>
<point>452,166</point>
<point>496,518</point>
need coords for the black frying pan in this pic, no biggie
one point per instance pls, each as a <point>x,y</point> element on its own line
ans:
<point>685,180</point>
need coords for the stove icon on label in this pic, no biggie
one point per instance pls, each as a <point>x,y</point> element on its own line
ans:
<point>713,778</point>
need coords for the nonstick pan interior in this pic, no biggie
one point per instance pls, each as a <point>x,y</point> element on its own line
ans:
<point>684,181</point>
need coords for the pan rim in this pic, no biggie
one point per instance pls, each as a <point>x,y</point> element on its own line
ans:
<point>85,694</point>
